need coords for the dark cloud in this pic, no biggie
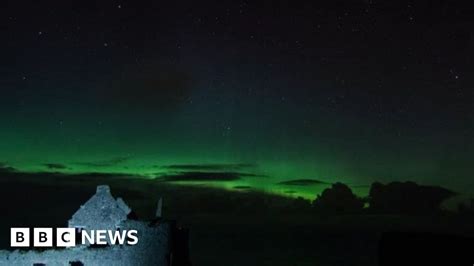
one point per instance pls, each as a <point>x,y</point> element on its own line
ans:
<point>251,175</point>
<point>303,182</point>
<point>242,187</point>
<point>83,176</point>
<point>99,175</point>
<point>10,173</point>
<point>201,176</point>
<point>208,167</point>
<point>208,172</point>
<point>105,163</point>
<point>5,168</point>
<point>56,166</point>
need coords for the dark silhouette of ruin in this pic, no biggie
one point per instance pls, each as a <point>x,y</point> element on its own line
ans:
<point>161,242</point>
<point>406,198</point>
<point>339,198</point>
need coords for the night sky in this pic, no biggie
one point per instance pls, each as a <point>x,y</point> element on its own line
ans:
<point>241,94</point>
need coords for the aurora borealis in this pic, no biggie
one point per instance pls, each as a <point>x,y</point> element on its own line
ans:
<point>259,94</point>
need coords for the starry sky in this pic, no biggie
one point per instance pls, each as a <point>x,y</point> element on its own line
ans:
<point>275,96</point>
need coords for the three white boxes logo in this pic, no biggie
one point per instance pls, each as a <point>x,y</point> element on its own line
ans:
<point>42,237</point>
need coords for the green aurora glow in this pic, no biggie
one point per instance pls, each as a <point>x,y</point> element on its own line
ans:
<point>126,146</point>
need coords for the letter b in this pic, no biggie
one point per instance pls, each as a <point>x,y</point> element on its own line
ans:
<point>19,237</point>
<point>43,237</point>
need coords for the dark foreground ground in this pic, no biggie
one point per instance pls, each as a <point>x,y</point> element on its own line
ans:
<point>222,232</point>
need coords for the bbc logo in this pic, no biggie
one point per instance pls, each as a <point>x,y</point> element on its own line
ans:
<point>42,237</point>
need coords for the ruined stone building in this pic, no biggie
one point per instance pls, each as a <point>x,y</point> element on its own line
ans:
<point>103,211</point>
